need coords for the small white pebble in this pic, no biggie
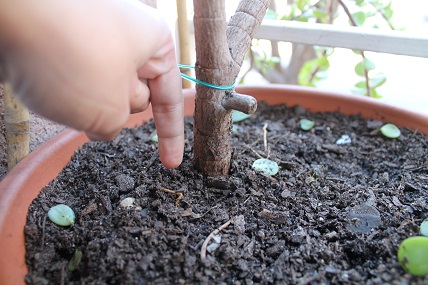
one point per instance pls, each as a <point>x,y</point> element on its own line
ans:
<point>127,202</point>
<point>345,139</point>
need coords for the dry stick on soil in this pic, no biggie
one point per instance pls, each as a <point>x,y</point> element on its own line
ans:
<point>207,240</point>
<point>179,194</point>
<point>265,137</point>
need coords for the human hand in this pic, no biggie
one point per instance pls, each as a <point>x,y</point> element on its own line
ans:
<point>89,64</point>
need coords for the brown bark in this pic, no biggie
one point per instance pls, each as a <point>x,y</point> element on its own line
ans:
<point>220,51</point>
<point>17,125</point>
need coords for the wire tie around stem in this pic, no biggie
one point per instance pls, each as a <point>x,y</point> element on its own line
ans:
<point>197,81</point>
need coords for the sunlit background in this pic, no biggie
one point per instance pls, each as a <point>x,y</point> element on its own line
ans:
<point>406,84</point>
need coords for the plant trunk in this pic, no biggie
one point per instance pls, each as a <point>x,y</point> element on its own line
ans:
<point>220,51</point>
<point>17,125</point>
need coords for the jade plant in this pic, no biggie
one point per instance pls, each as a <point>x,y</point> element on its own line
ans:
<point>220,52</point>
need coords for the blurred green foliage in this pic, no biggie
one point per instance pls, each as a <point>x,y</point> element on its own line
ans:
<point>360,13</point>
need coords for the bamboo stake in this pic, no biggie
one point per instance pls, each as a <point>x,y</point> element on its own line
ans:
<point>17,127</point>
<point>183,36</point>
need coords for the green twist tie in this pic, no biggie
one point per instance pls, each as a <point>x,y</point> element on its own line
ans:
<point>197,81</point>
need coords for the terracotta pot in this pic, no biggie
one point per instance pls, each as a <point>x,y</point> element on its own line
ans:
<point>24,182</point>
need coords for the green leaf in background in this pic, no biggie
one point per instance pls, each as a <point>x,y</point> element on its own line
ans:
<point>387,11</point>
<point>368,64</point>
<point>301,4</point>
<point>359,68</point>
<point>359,18</point>
<point>390,131</point>
<point>412,255</point>
<point>320,15</point>
<point>375,94</point>
<point>360,3</point>
<point>362,66</point>
<point>361,84</point>
<point>306,124</point>
<point>267,166</point>
<point>377,80</point>
<point>62,215</point>
<point>313,70</point>
<point>238,116</point>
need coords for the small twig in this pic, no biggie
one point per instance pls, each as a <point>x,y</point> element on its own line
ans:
<point>250,148</point>
<point>265,137</point>
<point>246,200</point>
<point>208,239</point>
<point>387,20</point>
<point>209,210</point>
<point>179,194</point>
<point>241,102</point>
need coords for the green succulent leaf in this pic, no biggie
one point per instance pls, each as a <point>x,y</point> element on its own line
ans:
<point>412,255</point>
<point>62,215</point>
<point>238,116</point>
<point>390,131</point>
<point>266,166</point>
<point>306,124</point>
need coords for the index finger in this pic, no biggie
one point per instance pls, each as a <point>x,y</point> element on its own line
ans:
<point>168,111</point>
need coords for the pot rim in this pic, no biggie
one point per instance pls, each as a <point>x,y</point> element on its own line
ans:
<point>23,183</point>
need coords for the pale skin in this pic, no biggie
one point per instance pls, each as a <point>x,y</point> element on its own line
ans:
<point>88,64</point>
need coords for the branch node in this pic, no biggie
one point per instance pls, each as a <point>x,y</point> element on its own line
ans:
<point>240,102</point>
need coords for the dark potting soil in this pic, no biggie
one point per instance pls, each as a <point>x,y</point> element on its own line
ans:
<point>334,214</point>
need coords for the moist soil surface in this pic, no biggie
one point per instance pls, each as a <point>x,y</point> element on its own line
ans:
<point>333,214</point>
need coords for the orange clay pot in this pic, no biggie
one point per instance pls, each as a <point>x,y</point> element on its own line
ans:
<point>24,182</point>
